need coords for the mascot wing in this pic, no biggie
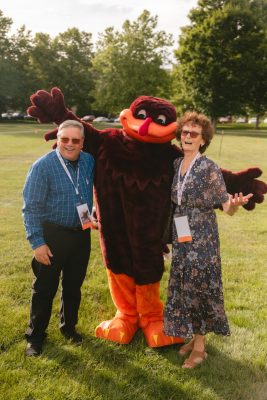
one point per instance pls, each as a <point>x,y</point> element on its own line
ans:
<point>49,107</point>
<point>245,181</point>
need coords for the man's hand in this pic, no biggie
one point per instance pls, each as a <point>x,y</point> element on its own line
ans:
<point>42,254</point>
<point>94,218</point>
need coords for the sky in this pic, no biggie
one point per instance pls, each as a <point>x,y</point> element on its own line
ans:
<point>94,16</point>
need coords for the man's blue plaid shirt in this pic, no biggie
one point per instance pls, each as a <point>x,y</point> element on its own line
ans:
<point>50,196</point>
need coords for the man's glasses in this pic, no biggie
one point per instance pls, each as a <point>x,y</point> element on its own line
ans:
<point>66,140</point>
<point>193,134</point>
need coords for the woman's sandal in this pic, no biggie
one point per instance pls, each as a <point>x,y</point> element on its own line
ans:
<point>186,348</point>
<point>195,358</point>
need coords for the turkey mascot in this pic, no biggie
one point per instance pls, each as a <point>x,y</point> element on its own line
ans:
<point>133,177</point>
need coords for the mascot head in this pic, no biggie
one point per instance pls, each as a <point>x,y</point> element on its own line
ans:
<point>150,119</point>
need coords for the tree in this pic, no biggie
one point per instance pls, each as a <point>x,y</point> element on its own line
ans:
<point>179,94</point>
<point>21,50</point>
<point>217,55</point>
<point>65,61</point>
<point>74,56</point>
<point>6,66</point>
<point>42,60</point>
<point>257,94</point>
<point>14,62</point>
<point>131,63</point>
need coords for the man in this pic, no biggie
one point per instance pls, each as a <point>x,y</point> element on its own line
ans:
<point>57,190</point>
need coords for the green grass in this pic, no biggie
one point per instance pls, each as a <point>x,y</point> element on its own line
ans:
<point>242,126</point>
<point>236,367</point>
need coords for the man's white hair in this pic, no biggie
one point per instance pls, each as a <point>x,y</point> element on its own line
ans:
<point>70,123</point>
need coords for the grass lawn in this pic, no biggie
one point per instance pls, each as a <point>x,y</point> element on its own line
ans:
<point>236,368</point>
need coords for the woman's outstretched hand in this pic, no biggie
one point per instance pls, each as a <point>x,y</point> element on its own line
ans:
<point>231,206</point>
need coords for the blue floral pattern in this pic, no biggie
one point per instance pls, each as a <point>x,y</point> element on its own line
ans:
<point>195,303</point>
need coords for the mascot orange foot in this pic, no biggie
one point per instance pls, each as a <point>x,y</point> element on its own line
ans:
<point>117,330</point>
<point>155,337</point>
<point>150,310</point>
<point>122,328</point>
<point>138,306</point>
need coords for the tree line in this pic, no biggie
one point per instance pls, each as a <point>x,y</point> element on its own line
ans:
<point>219,67</point>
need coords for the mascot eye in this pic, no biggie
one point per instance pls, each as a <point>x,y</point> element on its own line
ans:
<point>141,114</point>
<point>161,119</point>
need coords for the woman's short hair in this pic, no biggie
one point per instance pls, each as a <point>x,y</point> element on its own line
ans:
<point>196,119</point>
<point>70,123</point>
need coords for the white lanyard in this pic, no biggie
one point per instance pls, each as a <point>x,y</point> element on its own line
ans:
<point>68,172</point>
<point>180,187</point>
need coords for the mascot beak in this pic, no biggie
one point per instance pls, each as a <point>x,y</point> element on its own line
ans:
<point>143,129</point>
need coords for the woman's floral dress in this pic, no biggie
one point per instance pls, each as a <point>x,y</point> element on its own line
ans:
<point>195,302</point>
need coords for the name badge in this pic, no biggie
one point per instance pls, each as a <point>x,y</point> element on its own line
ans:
<point>84,215</point>
<point>182,229</point>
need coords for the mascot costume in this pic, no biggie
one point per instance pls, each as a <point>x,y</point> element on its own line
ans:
<point>133,177</point>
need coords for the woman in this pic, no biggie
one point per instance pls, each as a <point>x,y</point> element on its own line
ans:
<point>195,304</point>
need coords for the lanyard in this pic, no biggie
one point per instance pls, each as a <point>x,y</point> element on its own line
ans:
<point>68,172</point>
<point>180,187</point>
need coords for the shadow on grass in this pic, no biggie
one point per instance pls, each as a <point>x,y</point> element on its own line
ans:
<point>228,378</point>
<point>114,371</point>
<point>136,371</point>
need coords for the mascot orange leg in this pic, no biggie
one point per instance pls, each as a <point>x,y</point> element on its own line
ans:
<point>150,310</point>
<point>137,306</point>
<point>122,328</point>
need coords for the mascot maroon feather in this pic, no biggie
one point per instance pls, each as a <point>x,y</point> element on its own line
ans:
<point>134,171</point>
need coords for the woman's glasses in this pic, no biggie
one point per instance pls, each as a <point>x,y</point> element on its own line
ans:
<point>66,140</point>
<point>193,134</point>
